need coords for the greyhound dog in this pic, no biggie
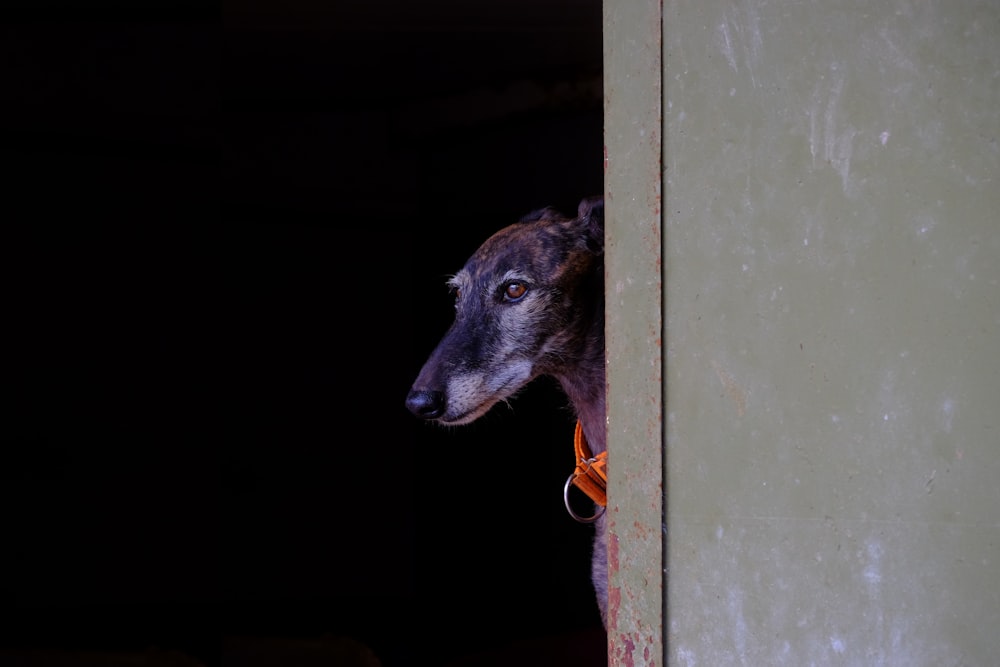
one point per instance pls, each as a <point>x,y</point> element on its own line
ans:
<point>529,302</point>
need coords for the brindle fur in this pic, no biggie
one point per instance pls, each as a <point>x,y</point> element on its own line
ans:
<point>502,339</point>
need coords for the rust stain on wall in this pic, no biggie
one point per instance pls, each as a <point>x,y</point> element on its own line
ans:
<point>623,650</point>
<point>733,390</point>
<point>614,592</point>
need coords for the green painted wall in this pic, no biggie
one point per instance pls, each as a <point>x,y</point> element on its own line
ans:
<point>634,290</point>
<point>831,245</point>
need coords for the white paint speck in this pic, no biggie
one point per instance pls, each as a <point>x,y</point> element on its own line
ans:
<point>686,656</point>
<point>873,568</point>
<point>737,621</point>
<point>727,46</point>
<point>837,644</point>
<point>948,412</point>
<point>884,137</point>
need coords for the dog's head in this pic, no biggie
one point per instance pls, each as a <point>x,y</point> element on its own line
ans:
<point>525,302</point>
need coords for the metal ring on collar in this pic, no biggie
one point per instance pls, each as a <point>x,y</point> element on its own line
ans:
<point>581,519</point>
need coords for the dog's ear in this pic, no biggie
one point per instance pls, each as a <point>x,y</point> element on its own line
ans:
<point>591,210</point>
<point>547,213</point>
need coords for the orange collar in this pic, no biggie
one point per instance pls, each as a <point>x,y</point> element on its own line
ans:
<point>590,476</point>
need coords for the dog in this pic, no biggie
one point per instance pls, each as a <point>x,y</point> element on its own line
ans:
<point>528,303</point>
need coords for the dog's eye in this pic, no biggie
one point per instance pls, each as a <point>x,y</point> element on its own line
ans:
<point>513,291</point>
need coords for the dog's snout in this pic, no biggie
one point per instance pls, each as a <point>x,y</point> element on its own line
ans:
<point>425,404</point>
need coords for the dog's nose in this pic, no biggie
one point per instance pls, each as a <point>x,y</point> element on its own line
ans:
<point>425,404</point>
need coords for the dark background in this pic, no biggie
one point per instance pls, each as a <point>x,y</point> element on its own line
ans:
<point>227,236</point>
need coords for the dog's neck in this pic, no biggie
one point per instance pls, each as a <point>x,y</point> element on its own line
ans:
<point>584,383</point>
<point>586,393</point>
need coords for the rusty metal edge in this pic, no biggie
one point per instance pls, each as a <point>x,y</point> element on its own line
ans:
<point>634,300</point>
